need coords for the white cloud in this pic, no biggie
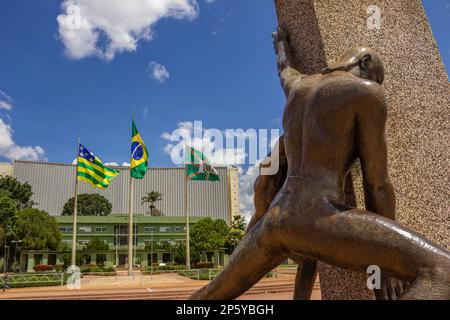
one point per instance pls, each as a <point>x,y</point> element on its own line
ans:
<point>11,151</point>
<point>246,192</point>
<point>223,156</point>
<point>214,150</point>
<point>105,28</point>
<point>112,164</point>
<point>26,153</point>
<point>8,148</point>
<point>5,101</point>
<point>158,72</point>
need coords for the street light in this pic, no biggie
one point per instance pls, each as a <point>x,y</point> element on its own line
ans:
<point>15,249</point>
<point>6,258</point>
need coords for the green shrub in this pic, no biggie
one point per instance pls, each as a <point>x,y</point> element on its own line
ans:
<point>203,274</point>
<point>168,267</point>
<point>44,268</point>
<point>59,267</point>
<point>92,268</point>
<point>205,265</point>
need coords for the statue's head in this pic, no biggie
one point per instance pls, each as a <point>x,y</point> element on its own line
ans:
<point>362,62</point>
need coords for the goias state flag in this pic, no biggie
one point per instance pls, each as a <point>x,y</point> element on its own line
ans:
<point>92,170</point>
<point>139,154</point>
<point>198,166</point>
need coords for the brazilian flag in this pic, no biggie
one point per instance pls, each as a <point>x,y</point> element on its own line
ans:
<point>92,170</point>
<point>139,155</point>
<point>198,166</point>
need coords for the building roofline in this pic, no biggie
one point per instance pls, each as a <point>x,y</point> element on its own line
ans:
<point>118,167</point>
<point>123,218</point>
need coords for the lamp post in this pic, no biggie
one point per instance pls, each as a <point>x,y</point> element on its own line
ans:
<point>15,249</point>
<point>117,230</point>
<point>6,258</point>
<point>151,254</point>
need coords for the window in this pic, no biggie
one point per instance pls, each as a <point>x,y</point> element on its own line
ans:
<point>66,229</point>
<point>101,229</point>
<point>85,229</point>
<point>165,242</point>
<point>122,241</point>
<point>165,229</point>
<point>178,229</point>
<point>83,242</point>
<point>147,242</point>
<point>149,229</point>
<point>120,229</point>
<point>167,257</point>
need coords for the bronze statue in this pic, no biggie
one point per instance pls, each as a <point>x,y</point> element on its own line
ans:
<point>266,187</point>
<point>330,120</point>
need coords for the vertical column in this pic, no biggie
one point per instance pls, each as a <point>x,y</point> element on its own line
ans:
<point>30,263</point>
<point>417,87</point>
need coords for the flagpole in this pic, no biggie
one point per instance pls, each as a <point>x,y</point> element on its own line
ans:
<point>75,212</point>
<point>130,222</point>
<point>130,226</point>
<point>186,209</point>
<point>135,237</point>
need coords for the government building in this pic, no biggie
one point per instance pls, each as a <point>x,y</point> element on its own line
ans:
<point>53,185</point>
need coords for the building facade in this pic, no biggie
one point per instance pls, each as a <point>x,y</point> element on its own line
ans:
<point>53,184</point>
<point>155,239</point>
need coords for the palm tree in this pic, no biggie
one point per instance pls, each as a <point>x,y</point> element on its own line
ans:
<point>151,198</point>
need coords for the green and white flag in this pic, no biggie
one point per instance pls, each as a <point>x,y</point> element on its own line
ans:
<point>198,166</point>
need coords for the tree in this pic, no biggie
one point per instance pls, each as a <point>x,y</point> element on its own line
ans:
<point>8,209</point>
<point>96,245</point>
<point>237,232</point>
<point>2,237</point>
<point>180,254</point>
<point>88,205</point>
<point>38,230</point>
<point>151,198</point>
<point>20,192</point>
<point>208,234</point>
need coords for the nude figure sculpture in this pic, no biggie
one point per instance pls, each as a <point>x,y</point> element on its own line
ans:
<point>330,120</point>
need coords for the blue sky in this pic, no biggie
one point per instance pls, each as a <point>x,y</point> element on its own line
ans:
<point>221,67</point>
<point>214,61</point>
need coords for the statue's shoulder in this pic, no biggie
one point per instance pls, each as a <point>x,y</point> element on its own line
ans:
<point>351,85</point>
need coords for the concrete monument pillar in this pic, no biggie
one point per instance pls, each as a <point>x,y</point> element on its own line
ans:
<point>417,90</point>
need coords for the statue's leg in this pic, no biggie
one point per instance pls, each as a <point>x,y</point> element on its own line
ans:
<point>305,278</point>
<point>257,254</point>
<point>356,239</point>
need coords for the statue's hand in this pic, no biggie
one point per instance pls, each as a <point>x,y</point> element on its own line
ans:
<point>280,36</point>
<point>391,288</point>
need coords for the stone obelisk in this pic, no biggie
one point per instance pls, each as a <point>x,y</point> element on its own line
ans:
<point>417,89</point>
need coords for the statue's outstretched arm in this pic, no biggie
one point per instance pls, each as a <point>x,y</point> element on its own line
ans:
<point>378,190</point>
<point>285,61</point>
